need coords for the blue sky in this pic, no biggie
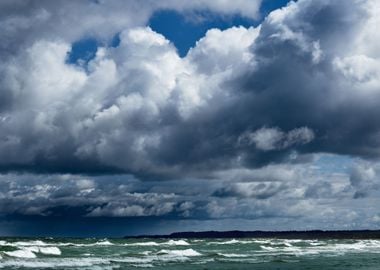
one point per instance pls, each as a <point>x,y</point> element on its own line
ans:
<point>183,30</point>
<point>138,117</point>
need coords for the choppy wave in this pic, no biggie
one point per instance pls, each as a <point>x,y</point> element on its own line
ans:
<point>21,253</point>
<point>23,243</point>
<point>30,251</point>
<point>149,253</point>
<point>183,253</point>
<point>40,243</point>
<point>233,255</point>
<point>143,244</point>
<point>50,250</point>
<point>168,243</point>
<point>54,263</point>
<point>231,242</point>
<point>177,243</point>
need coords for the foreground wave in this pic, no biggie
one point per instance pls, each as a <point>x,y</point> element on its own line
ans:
<point>52,253</point>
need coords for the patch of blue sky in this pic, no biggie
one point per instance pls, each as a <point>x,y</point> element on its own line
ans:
<point>268,6</point>
<point>182,29</point>
<point>332,163</point>
<point>185,29</point>
<point>84,50</point>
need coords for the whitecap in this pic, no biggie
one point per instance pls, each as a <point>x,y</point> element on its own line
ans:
<point>103,243</point>
<point>133,260</point>
<point>145,265</point>
<point>233,241</point>
<point>176,243</point>
<point>50,250</point>
<point>261,241</point>
<point>43,250</point>
<point>229,242</point>
<point>21,253</point>
<point>143,244</point>
<point>183,253</point>
<point>32,249</point>
<point>38,263</point>
<point>29,243</point>
<point>233,255</point>
<point>268,248</point>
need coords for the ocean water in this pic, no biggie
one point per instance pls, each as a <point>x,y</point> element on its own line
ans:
<point>67,253</point>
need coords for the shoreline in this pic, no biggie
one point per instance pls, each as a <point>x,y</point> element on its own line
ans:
<point>312,234</point>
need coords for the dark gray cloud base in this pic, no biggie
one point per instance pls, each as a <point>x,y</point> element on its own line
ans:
<point>288,76</point>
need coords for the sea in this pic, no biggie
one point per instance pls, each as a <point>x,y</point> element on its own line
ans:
<point>268,254</point>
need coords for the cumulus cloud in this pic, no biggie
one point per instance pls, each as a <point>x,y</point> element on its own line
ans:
<point>25,22</point>
<point>139,108</point>
<point>299,195</point>
<point>243,110</point>
<point>364,178</point>
<point>261,190</point>
<point>274,139</point>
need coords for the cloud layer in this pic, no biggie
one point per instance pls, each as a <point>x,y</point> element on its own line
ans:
<point>243,101</point>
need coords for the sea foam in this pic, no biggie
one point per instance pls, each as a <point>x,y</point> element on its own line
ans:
<point>182,253</point>
<point>50,250</point>
<point>143,244</point>
<point>21,253</point>
<point>176,243</point>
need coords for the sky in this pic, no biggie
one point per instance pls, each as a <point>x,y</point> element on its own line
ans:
<point>150,117</point>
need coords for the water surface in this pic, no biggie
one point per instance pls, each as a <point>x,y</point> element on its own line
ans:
<point>66,253</point>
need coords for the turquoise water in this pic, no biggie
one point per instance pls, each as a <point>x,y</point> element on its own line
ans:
<point>64,253</point>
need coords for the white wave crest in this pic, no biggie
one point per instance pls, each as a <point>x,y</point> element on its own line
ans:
<point>50,250</point>
<point>143,244</point>
<point>268,248</point>
<point>103,243</point>
<point>182,253</point>
<point>29,243</point>
<point>176,243</point>
<point>230,242</point>
<point>145,265</point>
<point>52,263</point>
<point>21,253</point>
<point>168,243</point>
<point>233,255</point>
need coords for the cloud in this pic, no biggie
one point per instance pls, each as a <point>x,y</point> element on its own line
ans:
<point>267,139</point>
<point>242,97</point>
<point>242,117</point>
<point>23,23</point>
<point>261,190</point>
<point>299,195</point>
<point>364,178</point>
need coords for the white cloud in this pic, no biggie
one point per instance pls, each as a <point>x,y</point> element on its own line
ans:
<point>221,51</point>
<point>267,139</point>
<point>141,109</point>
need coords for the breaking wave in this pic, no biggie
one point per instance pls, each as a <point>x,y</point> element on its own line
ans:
<point>183,253</point>
<point>21,253</point>
<point>30,252</point>
<point>168,243</point>
<point>148,253</point>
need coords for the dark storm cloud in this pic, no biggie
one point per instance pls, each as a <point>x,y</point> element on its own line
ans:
<point>255,99</point>
<point>236,127</point>
<point>260,191</point>
<point>75,196</point>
